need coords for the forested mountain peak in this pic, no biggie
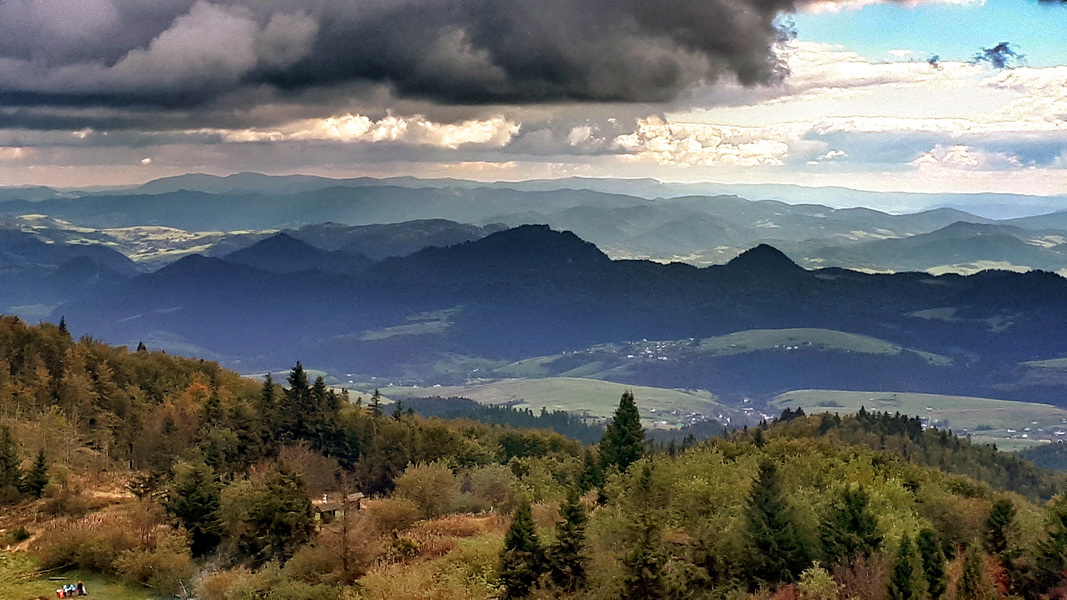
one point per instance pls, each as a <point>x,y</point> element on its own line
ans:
<point>764,258</point>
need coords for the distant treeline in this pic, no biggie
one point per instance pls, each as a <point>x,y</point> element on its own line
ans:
<point>903,435</point>
<point>455,407</point>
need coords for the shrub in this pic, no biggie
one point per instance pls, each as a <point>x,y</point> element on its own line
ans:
<point>19,534</point>
<point>394,514</point>
<point>92,543</point>
<point>163,568</point>
<point>431,486</point>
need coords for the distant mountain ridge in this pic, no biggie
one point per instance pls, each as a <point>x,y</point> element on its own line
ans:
<point>993,205</point>
<point>532,291</point>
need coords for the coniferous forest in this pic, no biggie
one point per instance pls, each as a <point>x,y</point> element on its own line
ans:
<point>178,478</point>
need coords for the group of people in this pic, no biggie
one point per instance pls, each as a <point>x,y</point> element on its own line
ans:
<point>71,590</point>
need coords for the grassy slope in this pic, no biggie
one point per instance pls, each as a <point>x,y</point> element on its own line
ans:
<point>599,398</point>
<point>606,358</point>
<point>19,581</point>
<point>984,418</point>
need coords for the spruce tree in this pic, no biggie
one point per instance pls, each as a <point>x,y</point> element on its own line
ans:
<point>376,405</point>
<point>972,584</point>
<point>623,442</point>
<point>999,527</point>
<point>644,566</point>
<point>193,497</point>
<point>905,579</point>
<point>10,473</point>
<point>932,559</point>
<point>781,551</point>
<point>1051,559</point>
<point>522,558</point>
<point>299,403</point>
<point>36,479</point>
<point>266,406</point>
<point>850,529</point>
<point>566,559</point>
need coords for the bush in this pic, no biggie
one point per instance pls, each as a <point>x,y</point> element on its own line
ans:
<point>269,582</point>
<point>19,534</point>
<point>163,568</point>
<point>431,486</point>
<point>394,514</point>
<point>92,543</point>
<point>494,484</point>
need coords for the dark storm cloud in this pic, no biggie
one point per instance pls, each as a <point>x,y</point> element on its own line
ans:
<point>179,52</point>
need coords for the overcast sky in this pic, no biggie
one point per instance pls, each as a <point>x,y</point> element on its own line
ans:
<point>917,95</point>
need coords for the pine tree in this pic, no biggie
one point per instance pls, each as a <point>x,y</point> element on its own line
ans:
<point>972,584</point>
<point>999,528</point>
<point>36,479</point>
<point>932,559</point>
<point>522,557</point>
<point>211,412</point>
<point>592,475</point>
<point>644,566</point>
<point>905,579</point>
<point>623,442</point>
<point>1051,559</point>
<point>376,405</point>
<point>299,405</point>
<point>850,530</point>
<point>781,551</point>
<point>566,560</point>
<point>193,497</point>
<point>267,409</point>
<point>10,473</point>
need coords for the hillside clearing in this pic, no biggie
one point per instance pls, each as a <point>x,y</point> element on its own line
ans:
<point>1018,424</point>
<point>659,407</point>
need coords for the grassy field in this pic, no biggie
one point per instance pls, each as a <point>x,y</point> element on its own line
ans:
<point>1009,424</point>
<point>806,338</point>
<point>19,581</point>
<point>603,360</point>
<point>659,407</point>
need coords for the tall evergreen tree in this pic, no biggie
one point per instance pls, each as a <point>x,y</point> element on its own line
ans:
<point>10,473</point>
<point>522,558</point>
<point>280,518</point>
<point>781,551</point>
<point>905,580</point>
<point>36,479</point>
<point>566,558</point>
<point>376,405</point>
<point>623,442</point>
<point>932,558</point>
<point>1051,558</point>
<point>973,584</point>
<point>644,566</point>
<point>299,404</point>
<point>193,497</point>
<point>999,528</point>
<point>850,529</point>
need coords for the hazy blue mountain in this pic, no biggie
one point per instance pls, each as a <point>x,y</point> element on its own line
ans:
<point>531,291</point>
<point>282,253</point>
<point>364,217</point>
<point>391,239</point>
<point>991,205</point>
<point>31,193</point>
<point>36,275</point>
<point>956,246</point>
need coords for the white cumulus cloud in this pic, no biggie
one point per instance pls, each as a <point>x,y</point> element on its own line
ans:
<point>493,132</point>
<point>701,144</point>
